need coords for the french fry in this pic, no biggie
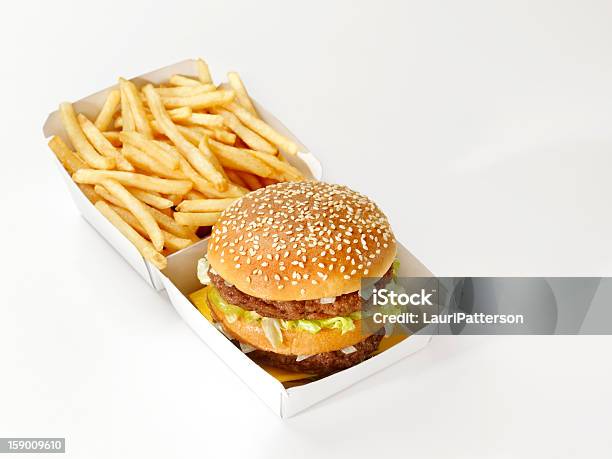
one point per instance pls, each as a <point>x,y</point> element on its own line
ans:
<point>127,122</point>
<point>205,205</point>
<point>113,138</point>
<point>111,104</point>
<point>252,182</point>
<point>205,119</point>
<point>205,187</point>
<point>241,93</point>
<point>150,164</point>
<point>179,114</point>
<point>138,209</point>
<point>193,194</point>
<point>203,72</point>
<point>168,224</point>
<point>136,108</point>
<point>151,199</point>
<point>189,151</point>
<point>286,172</point>
<point>265,181</point>
<point>80,142</point>
<point>262,128</point>
<point>175,199</point>
<point>171,241</point>
<point>103,192</point>
<point>196,219</point>
<point>200,101</point>
<point>90,193</point>
<point>66,156</point>
<point>144,247</point>
<point>180,80</point>
<point>132,179</point>
<point>185,91</point>
<point>151,148</point>
<point>234,177</point>
<point>102,144</point>
<point>195,134</point>
<point>240,159</point>
<point>252,139</point>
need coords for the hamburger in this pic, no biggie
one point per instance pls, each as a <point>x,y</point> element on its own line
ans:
<point>285,264</point>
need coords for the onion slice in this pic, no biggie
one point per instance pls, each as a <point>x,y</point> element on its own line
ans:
<point>328,300</point>
<point>349,349</point>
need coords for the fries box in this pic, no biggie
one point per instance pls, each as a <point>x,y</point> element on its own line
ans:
<point>180,280</point>
<point>90,106</point>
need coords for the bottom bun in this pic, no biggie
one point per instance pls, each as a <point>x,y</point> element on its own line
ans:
<point>320,364</point>
<point>295,342</point>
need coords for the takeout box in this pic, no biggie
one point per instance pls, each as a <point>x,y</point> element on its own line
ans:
<point>180,279</point>
<point>305,161</point>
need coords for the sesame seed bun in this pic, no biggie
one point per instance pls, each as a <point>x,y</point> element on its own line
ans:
<point>301,241</point>
<point>295,342</point>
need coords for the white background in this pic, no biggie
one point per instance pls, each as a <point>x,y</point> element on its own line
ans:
<point>484,129</point>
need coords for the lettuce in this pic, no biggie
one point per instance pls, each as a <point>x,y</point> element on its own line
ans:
<point>233,313</point>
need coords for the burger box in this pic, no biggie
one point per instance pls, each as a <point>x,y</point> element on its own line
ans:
<point>90,106</point>
<point>180,280</point>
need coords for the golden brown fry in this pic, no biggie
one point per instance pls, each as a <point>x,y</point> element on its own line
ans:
<point>168,223</point>
<point>174,199</point>
<point>170,240</point>
<point>102,145</point>
<point>111,104</point>
<point>251,138</point>
<point>265,181</point>
<point>103,193</point>
<point>152,199</point>
<point>252,181</point>
<point>205,187</point>
<point>199,101</point>
<point>132,179</point>
<point>79,141</point>
<point>205,205</point>
<point>90,193</point>
<point>262,128</point>
<point>149,163</point>
<point>189,151</point>
<point>205,119</point>
<point>240,159</point>
<point>180,80</point>
<point>179,114</point>
<point>144,247</point>
<point>193,194</point>
<point>136,108</point>
<point>138,209</point>
<point>151,148</point>
<point>241,93</point>
<point>196,219</point>
<point>185,91</point>
<point>127,122</point>
<point>285,172</point>
<point>67,157</point>
<point>203,72</point>
<point>113,138</point>
<point>234,177</point>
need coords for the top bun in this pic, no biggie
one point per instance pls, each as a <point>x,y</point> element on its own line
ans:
<point>301,241</point>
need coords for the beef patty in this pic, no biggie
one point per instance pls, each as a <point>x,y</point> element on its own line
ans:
<point>296,309</point>
<point>320,364</point>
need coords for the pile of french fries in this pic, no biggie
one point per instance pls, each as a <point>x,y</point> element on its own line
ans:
<point>161,162</point>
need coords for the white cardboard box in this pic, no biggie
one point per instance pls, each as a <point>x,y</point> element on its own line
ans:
<point>180,280</point>
<point>90,106</point>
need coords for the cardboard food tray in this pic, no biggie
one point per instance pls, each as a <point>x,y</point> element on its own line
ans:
<point>180,280</point>
<point>305,161</point>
